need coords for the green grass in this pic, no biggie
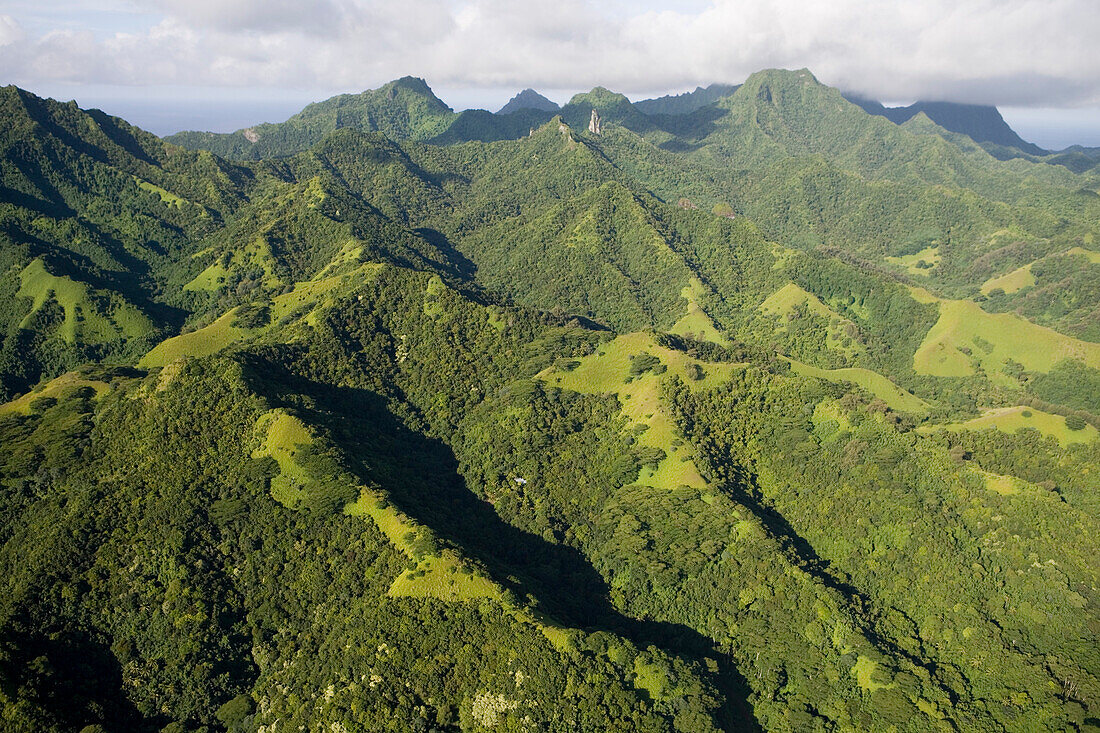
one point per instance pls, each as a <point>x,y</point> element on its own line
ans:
<point>1022,277</point>
<point>696,323</point>
<point>349,254</point>
<point>431,295</point>
<point>864,670</point>
<point>212,278</point>
<point>784,301</point>
<point>608,372</point>
<point>1093,257</point>
<point>84,321</point>
<point>922,296</point>
<point>782,256</point>
<point>790,296</point>
<point>993,338</point>
<point>440,577</point>
<point>1011,419</point>
<point>928,255</point>
<point>652,679</point>
<point>202,342</point>
<point>435,575</point>
<point>1014,281</point>
<point>314,293</point>
<point>254,255</point>
<point>166,196</point>
<point>305,299</point>
<point>55,388</point>
<point>828,414</point>
<point>1003,485</point>
<point>894,396</point>
<point>284,435</point>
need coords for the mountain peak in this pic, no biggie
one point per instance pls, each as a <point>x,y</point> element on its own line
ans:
<point>680,104</point>
<point>782,78</point>
<point>982,123</point>
<point>599,97</point>
<point>528,99</point>
<point>417,87</point>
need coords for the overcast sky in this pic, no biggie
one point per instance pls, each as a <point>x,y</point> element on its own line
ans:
<point>222,64</point>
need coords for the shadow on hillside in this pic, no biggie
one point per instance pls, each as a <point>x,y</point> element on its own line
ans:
<point>743,488</point>
<point>76,679</point>
<point>421,475</point>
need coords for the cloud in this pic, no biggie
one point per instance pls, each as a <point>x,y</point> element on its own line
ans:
<point>1021,52</point>
<point>10,31</point>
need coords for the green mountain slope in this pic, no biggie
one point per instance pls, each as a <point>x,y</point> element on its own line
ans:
<point>528,99</point>
<point>682,104</point>
<point>772,415</point>
<point>981,123</point>
<point>404,108</point>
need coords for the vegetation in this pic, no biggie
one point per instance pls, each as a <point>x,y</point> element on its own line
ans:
<point>752,412</point>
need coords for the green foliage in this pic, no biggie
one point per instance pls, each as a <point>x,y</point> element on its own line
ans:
<point>454,421</point>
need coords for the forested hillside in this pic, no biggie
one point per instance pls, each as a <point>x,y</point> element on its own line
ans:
<point>742,410</point>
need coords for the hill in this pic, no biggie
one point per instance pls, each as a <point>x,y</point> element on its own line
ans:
<point>528,99</point>
<point>402,109</point>
<point>682,104</point>
<point>981,123</point>
<point>770,415</point>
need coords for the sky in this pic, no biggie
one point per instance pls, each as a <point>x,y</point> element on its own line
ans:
<point>223,64</point>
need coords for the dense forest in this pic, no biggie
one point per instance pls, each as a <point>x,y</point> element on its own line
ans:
<point>749,409</point>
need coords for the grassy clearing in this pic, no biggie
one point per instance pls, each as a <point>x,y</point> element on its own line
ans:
<point>789,297</point>
<point>782,256</point>
<point>348,255</point>
<point>1011,419</point>
<point>991,339</point>
<point>829,419</point>
<point>210,279</point>
<point>1006,485</point>
<point>283,436</point>
<point>1093,257</point>
<point>56,388</point>
<point>696,323</point>
<point>304,301</point>
<point>90,317</point>
<point>783,302</point>
<point>312,294</point>
<point>254,256</point>
<point>1012,282</point>
<point>864,671</point>
<point>608,372</point>
<point>911,263</point>
<point>202,342</point>
<point>446,578</point>
<point>922,296</point>
<point>1022,277</point>
<point>894,396</point>
<point>166,196</point>
<point>431,296</point>
<point>442,575</point>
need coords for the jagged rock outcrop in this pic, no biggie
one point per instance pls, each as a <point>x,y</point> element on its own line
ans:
<point>594,124</point>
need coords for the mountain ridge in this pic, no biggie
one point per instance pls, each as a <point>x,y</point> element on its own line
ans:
<point>498,422</point>
<point>528,99</point>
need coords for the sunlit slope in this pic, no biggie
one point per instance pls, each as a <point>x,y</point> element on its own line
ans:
<point>966,338</point>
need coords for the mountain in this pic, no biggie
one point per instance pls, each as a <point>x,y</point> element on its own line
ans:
<point>402,109</point>
<point>528,99</point>
<point>774,415</point>
<point>981,123</point>
<point>681,104</point>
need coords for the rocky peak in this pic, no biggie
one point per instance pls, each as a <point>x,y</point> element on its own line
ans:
<point>594,125</point>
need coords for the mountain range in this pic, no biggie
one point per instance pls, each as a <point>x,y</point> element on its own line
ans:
<point>757,409</point>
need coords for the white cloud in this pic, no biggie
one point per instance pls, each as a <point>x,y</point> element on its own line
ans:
<point>10,31</point>
<point>1022,52</point>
